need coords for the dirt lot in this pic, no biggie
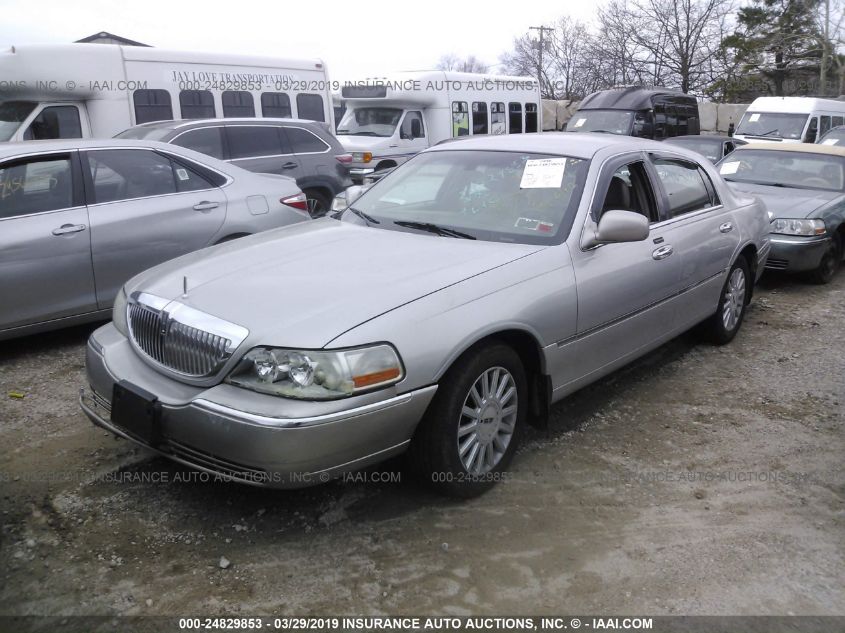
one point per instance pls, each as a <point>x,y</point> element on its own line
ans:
<point>700,480</point>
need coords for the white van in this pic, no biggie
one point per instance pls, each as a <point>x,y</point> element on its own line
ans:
<point>389,119</point>
<point>789,119</point>
<point>98,90</point>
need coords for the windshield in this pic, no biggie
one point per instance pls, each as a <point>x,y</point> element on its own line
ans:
<point>485,195</point>
<point>710,148</point>
<point>785,169</point>
<point>613,121</point>
<point>772,125</point>
<point>12,114</point>
<point>835,137</point>
<point>369,122</point>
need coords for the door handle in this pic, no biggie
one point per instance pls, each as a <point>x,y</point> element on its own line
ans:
<point>290,165</point>
<point>205,205</point>
<point>727,227</point>
<point>64,229</point>
<point>663,252</point>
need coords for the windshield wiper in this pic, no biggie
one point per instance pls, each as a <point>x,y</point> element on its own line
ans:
<point>367,218</point>
<point>430,227</point>
<point>765,133</point>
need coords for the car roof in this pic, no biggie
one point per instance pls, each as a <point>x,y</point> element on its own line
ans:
<point>185,123</point>
<point>805,148</point>
<point>580,145</point>
<point>626,98</point>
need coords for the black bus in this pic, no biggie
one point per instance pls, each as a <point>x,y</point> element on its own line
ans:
<point>654,113</point>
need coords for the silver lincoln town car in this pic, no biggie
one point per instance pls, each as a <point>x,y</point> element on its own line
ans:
<point>441,313</point>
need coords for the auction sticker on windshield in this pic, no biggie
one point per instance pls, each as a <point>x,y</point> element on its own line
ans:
<point>543,173</point>
<point>830,141</point>
<point>729,168</point>
<point>580,122</point>
<point>754,117</point>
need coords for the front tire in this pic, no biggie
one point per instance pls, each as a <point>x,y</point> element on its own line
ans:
<point>722,327</point>
<point>830,262</point>
<point>472,427</point>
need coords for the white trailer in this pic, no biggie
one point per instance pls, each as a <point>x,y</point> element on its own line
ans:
<point>98,90</point>
<point>389,119</point>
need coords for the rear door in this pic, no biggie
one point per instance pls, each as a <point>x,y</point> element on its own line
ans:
<point>700,229</point>
<point>145,207</point>
<point>45,248</point>
<point>263,149</point>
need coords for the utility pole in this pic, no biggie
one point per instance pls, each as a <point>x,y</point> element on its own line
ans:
<point>541,29</point>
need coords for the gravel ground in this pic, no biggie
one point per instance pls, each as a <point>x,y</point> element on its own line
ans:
<point>699,480</point>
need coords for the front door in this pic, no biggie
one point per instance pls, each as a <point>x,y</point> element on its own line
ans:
<point>625,290</point>
<point>145,209</point>
<point>45,247</point>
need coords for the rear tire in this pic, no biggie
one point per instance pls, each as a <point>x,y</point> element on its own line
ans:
<point>470,432</point>
<point>318,203</point>
<point>722,327</point>
<point>830,263</point>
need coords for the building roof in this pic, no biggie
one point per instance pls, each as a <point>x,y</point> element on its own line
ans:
<point>105,35</point>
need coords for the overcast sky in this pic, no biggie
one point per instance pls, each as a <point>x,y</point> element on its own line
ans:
<point>355,39</point>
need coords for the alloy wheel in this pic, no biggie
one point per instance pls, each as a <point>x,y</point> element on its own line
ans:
<point>734,300</point>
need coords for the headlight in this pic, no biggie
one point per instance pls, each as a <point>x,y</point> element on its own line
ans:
<point>118,313</point>
<point>317,374</point>
<point>786,226</point>
<point>362,157</point>
<point>339,203</point>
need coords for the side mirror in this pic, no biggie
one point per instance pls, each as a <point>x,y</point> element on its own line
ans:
<point>619,226</point>
<point>346,197</point>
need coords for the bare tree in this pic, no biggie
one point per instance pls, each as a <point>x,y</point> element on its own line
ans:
<point>468,64</point>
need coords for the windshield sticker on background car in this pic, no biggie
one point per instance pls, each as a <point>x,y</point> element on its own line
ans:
<point>729,167</point>
<point>830,141</point>
<point>580,122</point>
<point>543,173</point>
<point>534,225</point>
<point>754,117</point>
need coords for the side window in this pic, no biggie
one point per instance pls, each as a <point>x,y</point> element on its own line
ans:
<point>207,140</point>
<point>251,141</point>
<point>460,119</point>
<point>497,119</point>
<point>55,122</point>
<point>196,104</point>
<point>124,174</point>
<point>530,117</point>
<point>412,126</point>
<point>685,187</point>
<point>824,124</point>
<point>310,107</point>
<point>515,118</point>
<point>187,179</point>
<point>237,103</point>
<point>812,130</point>
<point>152,105</point>
<point>837,121</point>
<point>629,189</point>
<point>275,105</point>
<point>35,185</point>
<point>659,121</point>
<point>479,117</point>
<point>304,142</point>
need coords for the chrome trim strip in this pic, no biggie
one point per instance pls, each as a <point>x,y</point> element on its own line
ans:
<point>293,423</point>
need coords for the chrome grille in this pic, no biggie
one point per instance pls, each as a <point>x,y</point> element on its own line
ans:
<point>164,331</point>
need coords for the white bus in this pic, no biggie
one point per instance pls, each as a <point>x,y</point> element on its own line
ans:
<point>98,90</point>
<point>389,119</point>
<point>789,119</point>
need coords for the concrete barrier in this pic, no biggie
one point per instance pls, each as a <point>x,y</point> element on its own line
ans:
<point>729,113</point>
<point>708,116</point>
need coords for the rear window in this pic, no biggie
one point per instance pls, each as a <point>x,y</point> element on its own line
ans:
<point>305,142</point>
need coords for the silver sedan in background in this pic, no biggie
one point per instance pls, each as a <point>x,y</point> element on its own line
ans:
<point>447,308</point>
<point>79,218</point>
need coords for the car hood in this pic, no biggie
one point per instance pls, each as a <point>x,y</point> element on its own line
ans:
<point>306,284</point>
<point>784,202</point>
<point>363,143</point>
